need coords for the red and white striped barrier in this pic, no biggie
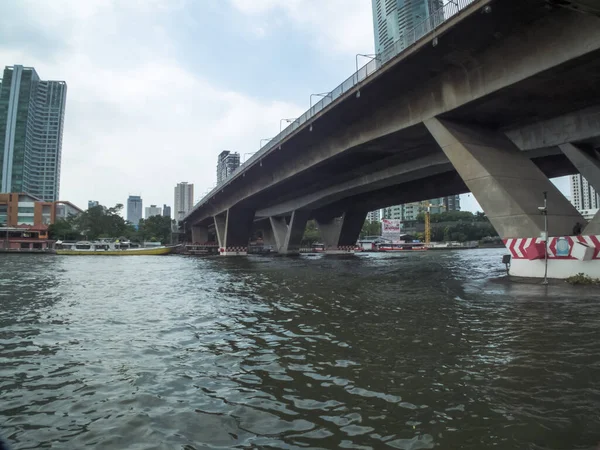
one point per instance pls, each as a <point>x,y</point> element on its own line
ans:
<point>559,248</point>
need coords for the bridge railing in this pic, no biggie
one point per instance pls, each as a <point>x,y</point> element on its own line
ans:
<point>406,40</point>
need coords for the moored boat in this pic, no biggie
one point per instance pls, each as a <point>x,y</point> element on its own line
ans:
<point>109,249</point>
<point>402,247</point>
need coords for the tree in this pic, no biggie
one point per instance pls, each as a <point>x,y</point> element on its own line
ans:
<point>155,228</point>
<point>64,229</point>
<point>98,221</point>
<point>370,229</point>
<point>311,234</point>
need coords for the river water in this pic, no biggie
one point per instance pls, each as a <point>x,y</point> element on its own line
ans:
<point>413,351</point>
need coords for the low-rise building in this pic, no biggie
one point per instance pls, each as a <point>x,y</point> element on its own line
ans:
<point>18,208</point>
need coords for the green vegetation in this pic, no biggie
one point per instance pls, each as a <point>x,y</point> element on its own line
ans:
<point>311,234</point>
<point>102,222</point>
<point>370,229</point>
<point>155,228</point>
<point>582,279</point>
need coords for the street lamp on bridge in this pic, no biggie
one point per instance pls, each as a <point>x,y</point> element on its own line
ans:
<point>251,153</point>
<point>261,142</point>
<point>371,58</point>
<point>285,120</point>
<point>323,94</point>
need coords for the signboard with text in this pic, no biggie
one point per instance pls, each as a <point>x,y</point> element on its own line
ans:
<point>391,228</point>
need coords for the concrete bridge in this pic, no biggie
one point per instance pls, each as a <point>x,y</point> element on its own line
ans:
<point>492,97</point>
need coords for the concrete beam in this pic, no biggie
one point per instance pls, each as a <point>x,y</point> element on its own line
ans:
<point>395,174</point>
<point>238,228</point>
<point>199,234</point>
<point>586,162</point>
<point>340,232</point>
<point>507,185</point>
<point>588,165</point>
<point>577,126</point>
<point>220,225</point>
<point>288,236</point>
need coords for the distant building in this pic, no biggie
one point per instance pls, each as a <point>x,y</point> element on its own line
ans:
<point>166,211</point>
<point>374,216</point>
<point>227,163</point>
<point>452,203</point>
<point>32,115</point>
<point>134,209</point>
<point>583,196</point>
<point>152,210</point>
<point>392,212</point>
<point>410,211</point>
<point>92,203</point>
<point>184,199</point>
<point>393,19</point>
<point>18,209</point>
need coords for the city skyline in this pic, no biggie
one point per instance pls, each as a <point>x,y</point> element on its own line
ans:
<point>120,127</point>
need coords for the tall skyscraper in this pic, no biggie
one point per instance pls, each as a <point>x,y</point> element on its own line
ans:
<point>166,211</point>
<point>152,210</point>
<point>134,209</point>
<point>583,196</point>
<point>227,164</point>
<point>392,19</point>
<point>92,203</point>
<point>32,115</point>
<point>184,199</point>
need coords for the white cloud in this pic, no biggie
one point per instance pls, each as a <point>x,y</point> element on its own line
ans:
<point>137,122</point>
<point>344,26</point>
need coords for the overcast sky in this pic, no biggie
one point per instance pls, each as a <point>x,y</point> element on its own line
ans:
<point>157,88</point>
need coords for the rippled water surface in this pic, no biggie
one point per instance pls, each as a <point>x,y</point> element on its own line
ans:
<point>413,351</point>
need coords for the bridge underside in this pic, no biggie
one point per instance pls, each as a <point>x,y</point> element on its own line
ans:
<point>519,83</point>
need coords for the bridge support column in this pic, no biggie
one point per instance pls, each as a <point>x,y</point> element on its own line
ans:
<point>587,162</point>
<point>339,234</point>
<point>509,187</point>
<point>199,234</point>
<point>233,229</point>
<point>288,236</point>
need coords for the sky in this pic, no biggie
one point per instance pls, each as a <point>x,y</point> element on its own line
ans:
<point>158,88</point>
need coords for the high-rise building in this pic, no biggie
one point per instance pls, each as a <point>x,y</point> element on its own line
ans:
<point>452,203</point>
<point>134,209</point>
<point>92,203</point>
<point>32,115</point>
<point>227,163</point>
<point>374,216</point>
<point>166,211</point>
<point>152,210</point>
<point>583,196</point>
<point>184,199</point>
<point>392,19</point>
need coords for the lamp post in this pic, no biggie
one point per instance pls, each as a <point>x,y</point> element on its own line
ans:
<point>371,57</point>
<point>261,142</point>
<point>544,211</point>
<point>251,153</point>
<point>323,94</point>
<point>285,120</point>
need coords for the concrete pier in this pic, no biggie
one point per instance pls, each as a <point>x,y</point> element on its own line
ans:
<point>508,186</point>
